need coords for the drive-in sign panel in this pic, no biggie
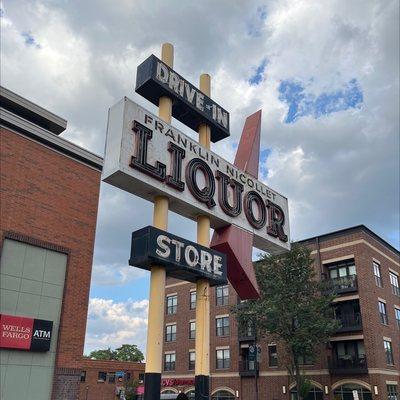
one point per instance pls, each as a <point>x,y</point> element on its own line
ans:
<point>191,106</point>
<point>148,157</point>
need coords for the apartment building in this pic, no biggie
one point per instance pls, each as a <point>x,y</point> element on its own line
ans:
<point>362,358</point>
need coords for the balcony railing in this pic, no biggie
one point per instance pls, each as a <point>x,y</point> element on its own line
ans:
<point>248,368</point>
<point>344,284</point>
<point>246,335</point>
<point>350,322</point>
<point>348,365</point>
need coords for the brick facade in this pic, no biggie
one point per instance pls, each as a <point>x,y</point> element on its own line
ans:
<point>357,243</point>
<point>91,388</point>
<point>49,198</point>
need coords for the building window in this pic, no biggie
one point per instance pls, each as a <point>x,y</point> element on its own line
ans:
<point>305,360</point>
<point>392,392</point>
<point>223,395</point>
<point>342,269</point>
<point>170,333</point>
<point>222,295</point>
<point>272,355</point>
<point>111,377</point>
<point>314,394</point>
<point>128,376</point>
<point>172,304</point>
<point>169,362</point>
<point>192,360</point>
<point>141,377</point>
<point>377,273</point>
<point>397,314</point>
<point>83,376</point>
<point>343,275</point>
<point>193,299</point>
<point>223,359</point>
<point>192,330</point>
<point>394,282</point>
<point>222,325</point>
<point>388,351</point>
<point>382,312</point>
<point>102,376</point>
<point>347,391</point>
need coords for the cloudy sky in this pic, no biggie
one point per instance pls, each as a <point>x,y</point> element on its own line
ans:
<point>324,72</point>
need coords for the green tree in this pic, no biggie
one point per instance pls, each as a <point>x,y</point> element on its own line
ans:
<point>104,354</point>
<point>129,352</point>
<point>130,389</point>
<point>294,308</point>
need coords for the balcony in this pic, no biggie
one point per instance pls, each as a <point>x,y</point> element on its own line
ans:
<point>350,323</point>
<point>344,284</point>
<point>347,365</point>
<point>245,335</point>
<point>248,368</point>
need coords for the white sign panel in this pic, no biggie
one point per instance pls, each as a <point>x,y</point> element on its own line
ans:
<point>148,157</point>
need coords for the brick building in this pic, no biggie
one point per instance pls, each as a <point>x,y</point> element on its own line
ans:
<point>49,199</point>
<point>364,354</point>
<point>103,380</point>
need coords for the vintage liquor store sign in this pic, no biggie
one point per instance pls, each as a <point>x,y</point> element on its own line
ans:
<point>182,258</point>
<point>190,106</point>
<point>148,157</point>
<point>24,333</point>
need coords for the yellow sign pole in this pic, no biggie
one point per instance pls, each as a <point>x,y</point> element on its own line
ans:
<point>155,327</point>
<point>202,369</point>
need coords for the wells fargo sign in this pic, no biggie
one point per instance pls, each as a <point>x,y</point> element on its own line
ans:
<point>148,157</point>
<point>24,333</point>
<point>182,258</point>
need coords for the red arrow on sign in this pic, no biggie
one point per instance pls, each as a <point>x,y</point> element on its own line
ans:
<point>233,241</point>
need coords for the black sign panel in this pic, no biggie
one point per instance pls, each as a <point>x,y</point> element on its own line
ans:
<point>190,105</point>
<point>41,335</point>
<point>182,258</point>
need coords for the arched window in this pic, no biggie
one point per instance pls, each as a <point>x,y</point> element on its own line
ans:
<point>345,392</point>
<point>223,395</point>
<point>169,391</point>
<point>314,394</point>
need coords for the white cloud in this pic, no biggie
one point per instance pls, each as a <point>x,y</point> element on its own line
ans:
<point>111,324</point>
<point>115,274</point>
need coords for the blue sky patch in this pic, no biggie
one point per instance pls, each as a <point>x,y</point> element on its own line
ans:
<point>264,154</point>
<point>30,40</point>
<point>256,23</point>
<point>301,103</point>
<point>258,75</point>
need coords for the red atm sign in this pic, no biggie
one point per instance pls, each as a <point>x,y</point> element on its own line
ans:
<point>24,333</point>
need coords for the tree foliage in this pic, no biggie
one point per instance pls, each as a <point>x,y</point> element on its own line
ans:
<point>130,389</point>
<point>127,352</point>
<point>294,308</point>
<point>103,354</point>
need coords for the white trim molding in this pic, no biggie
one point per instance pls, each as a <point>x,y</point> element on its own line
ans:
<point>331,260</point>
